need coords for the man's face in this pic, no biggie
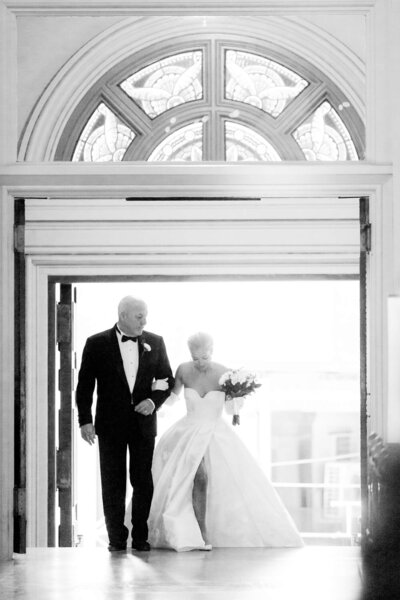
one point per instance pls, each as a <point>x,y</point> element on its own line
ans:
<point>133,319</point>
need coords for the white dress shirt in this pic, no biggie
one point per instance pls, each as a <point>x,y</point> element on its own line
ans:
<point>130,358</point>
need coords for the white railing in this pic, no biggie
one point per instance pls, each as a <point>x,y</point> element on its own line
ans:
<point>315,460</point>
<point>349,506</point>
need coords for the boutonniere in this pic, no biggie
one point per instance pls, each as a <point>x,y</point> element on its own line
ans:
<point>146,347</point>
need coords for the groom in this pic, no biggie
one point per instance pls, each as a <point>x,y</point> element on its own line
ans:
<point>127,364</point>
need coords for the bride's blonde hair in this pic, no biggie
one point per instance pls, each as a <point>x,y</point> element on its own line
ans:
<point>200,340</point>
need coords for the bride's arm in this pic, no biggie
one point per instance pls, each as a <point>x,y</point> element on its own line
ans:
<point>178,381</point>
<point>174,395</point>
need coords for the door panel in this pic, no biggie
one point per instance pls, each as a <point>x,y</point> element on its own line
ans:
<point>365,246</point>
<point>65,450</point>
<point>20,381</point>
<point>51,416</point>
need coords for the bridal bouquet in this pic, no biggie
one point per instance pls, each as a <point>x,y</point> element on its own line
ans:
<point>238,383</point>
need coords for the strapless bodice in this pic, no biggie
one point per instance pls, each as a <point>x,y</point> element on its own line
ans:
<point>204,408</point>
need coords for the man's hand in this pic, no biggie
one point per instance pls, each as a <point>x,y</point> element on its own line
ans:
<point>88,433</point>
<point>145,407</point>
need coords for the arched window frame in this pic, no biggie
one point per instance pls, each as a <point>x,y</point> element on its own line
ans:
<point>217,109</point>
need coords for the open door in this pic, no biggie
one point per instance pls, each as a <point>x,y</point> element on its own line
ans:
<point>62,364</point>
<point>365,248</point>
<point>19,545</point>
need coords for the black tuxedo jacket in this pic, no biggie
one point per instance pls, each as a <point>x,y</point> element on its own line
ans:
<point>102,365</point>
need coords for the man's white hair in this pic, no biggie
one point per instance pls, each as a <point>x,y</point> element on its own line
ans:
<point>128,302</point>
<point>200,340</point>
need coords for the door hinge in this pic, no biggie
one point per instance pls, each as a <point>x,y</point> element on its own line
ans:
<point>19,238</point>
<point>366,237</point>
<point>19,501</point>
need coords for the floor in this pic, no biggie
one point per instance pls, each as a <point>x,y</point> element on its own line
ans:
<point>310,573</point>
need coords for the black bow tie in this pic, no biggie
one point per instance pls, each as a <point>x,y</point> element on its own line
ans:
<point>125,338</point>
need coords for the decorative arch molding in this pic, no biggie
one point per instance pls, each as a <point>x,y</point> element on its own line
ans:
<point>50,115</point>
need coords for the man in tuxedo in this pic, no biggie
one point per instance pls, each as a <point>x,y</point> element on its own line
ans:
<point>131,369</point>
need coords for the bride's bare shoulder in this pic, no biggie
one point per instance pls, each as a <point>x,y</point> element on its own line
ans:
<point>220,369</point>
<point>184,368</point>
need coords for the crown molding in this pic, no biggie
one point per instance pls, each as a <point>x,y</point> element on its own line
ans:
<point>262,171</point>
<point>185,7</point>
<point>144,180</point>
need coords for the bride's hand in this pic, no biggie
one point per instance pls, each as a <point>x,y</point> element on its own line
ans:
<point>160,384</point>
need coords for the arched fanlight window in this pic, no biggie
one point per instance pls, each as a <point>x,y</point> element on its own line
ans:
<point>213,102</point>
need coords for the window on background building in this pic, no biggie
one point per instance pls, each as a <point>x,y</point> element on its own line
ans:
<point>214,102</point>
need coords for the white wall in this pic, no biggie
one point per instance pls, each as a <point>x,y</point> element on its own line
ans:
<point>44,45</point>
<point>349,29</point>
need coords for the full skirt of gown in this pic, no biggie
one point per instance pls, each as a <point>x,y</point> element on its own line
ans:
<point>242,507</point>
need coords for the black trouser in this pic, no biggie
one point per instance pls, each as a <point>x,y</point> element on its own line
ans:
<point>113,451</point>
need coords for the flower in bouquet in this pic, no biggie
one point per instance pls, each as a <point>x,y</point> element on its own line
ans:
<point>238,383</point>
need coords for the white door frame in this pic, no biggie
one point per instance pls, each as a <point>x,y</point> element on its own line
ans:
<point>129,180</point>
<point>212,264</point>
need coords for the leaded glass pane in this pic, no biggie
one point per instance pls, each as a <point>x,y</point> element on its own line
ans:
<point>325,137</point>
<point>185,144</point>
<point>261,82</point>
<point>167,83</point>
<point>244,144</point>
<point>104,138</point>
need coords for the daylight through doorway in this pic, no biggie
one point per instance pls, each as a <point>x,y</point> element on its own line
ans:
<point>303,425</point>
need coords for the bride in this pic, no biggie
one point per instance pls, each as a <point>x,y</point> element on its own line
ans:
<point>208,489</point>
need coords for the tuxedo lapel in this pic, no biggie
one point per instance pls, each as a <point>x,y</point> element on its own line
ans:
<point>116,357</point>
<point>142,358</point>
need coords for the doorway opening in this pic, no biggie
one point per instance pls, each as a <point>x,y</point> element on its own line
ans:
<point>302,338</point>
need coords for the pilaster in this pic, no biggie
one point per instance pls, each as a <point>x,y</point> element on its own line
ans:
<point>7,375</point>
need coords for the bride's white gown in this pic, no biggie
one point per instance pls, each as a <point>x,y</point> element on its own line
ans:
<point>243,509</point>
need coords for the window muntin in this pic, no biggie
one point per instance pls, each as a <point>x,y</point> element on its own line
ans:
<point>167,83</point>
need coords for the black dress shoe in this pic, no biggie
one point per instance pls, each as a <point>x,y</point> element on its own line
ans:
<point>141,546</point>
<point>116,547</point>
